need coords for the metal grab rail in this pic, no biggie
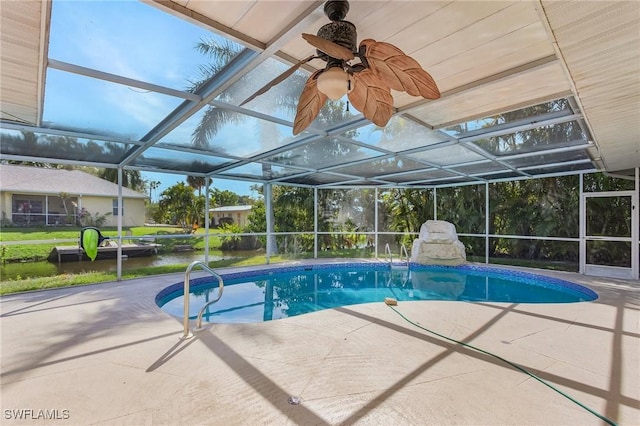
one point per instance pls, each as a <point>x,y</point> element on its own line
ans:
<point>405,269</point>
<point>387,250</point>
<point>403,248</point>
<point>406,254</point>
<point>187,280</point>
<point>211,302</point>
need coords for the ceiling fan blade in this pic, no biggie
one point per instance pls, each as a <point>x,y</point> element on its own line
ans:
<point>399,71</point>
<point>279,79</point>
<point>330,48</point>
<point>309,105</point>
<point>372,97</point>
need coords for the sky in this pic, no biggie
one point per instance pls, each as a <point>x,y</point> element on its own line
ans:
<point>137,41</point>
<point>167,180</point>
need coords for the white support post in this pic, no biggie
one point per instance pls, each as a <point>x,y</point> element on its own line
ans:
<point>120,211</point>
<point>375,222</point>
<point>268,203</point>
<point>315,223</point>
<point>206,219</point>
<point>487,222</point>
<point>635,228</point>
<point>581,224</point>
<point>435,204</point>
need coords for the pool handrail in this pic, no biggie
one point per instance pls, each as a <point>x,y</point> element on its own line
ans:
<point>209,303</point>
<point>406,254</point>
<point>387,250</point>
<point>403,248</point>
<point>187,281</point>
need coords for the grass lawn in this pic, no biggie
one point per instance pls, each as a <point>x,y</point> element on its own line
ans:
<point>32,250</point>
<point>66,280</point>
<point>65,236</point>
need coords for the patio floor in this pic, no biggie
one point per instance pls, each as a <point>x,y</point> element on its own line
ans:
<point>106,354</point>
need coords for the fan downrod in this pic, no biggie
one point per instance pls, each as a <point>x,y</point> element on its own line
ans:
<point>338,31</point>
<point>336,10</point>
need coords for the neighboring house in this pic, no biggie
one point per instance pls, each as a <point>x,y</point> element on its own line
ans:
<point>40,196</point>
<point>230,214</point>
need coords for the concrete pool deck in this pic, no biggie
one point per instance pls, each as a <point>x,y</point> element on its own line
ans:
<point>106,354</point>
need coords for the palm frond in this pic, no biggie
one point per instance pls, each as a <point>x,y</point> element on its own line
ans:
<point>211,123</point>
<point>206,72</point>
<point>221,52</point>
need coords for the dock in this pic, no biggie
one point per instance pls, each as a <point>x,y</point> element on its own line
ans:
<point>71,253</point>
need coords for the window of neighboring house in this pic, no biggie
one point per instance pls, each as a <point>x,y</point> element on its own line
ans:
<point>27,209</point>
<point>27,205</point>
<point>114,207</point>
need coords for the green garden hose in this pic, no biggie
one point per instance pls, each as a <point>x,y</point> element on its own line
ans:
<point>516,366</point>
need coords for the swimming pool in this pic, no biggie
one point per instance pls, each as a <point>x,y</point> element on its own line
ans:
<point>279,292</point>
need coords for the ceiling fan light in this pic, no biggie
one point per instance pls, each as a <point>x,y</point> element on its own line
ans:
<point>335,83</point>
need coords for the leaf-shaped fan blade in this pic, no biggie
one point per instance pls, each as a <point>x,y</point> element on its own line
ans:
<point>328,47</point>
<point>279,79</point>
<point>309,105</point>
<point>398,70</point>
<point>372,97</point>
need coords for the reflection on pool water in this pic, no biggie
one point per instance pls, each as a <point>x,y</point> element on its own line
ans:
<point>280,292</point>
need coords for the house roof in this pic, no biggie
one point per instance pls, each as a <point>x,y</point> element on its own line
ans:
<point>38,180</point>
<point>230,209</point>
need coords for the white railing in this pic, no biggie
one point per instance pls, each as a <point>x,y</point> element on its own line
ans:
<point>406,254</point>
<point>387,252</point>
<point>389,255</point>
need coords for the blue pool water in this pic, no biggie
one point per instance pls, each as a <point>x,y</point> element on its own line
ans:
<point>274,293</point>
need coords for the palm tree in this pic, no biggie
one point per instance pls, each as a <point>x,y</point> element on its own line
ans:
<point>214,118</point>
<point>196,182</point>
<point>152,185</point>
<point>130,178</point>
<point>177,204</point>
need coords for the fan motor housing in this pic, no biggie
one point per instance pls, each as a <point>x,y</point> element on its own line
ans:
<point>340,32</point>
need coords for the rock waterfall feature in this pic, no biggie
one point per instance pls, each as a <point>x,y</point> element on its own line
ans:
<point>438,244</point>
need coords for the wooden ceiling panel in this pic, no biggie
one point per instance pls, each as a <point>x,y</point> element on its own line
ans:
<point>516,48</point>
<point>600,44</point>
<point>21,50</point>
<point>446,22</point>
<point>502,25</point>
<point>501,95</point>
<point>265,20</point>
<point>24,12</point>
<point>20,70</point>
<point>484,68</point>
<point>382,22</point>
<point>227,13</point>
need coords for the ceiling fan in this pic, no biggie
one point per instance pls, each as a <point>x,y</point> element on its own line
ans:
<point>378,68</point>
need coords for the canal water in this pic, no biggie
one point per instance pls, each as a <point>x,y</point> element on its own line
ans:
<point>12,271</point>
